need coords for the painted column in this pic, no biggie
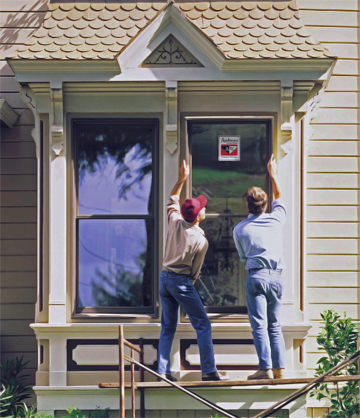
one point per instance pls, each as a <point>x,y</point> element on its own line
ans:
<point>57,215</point>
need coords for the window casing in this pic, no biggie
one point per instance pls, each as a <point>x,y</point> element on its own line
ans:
<point>116,176</point>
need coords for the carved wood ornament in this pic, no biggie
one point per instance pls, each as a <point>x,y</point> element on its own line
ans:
<point>171,95</point>
<point>28,97</point>
<point>57,126</point>
<point>287,94</point>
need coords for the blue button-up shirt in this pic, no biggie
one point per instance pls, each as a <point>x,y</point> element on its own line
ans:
<point>258,238</point>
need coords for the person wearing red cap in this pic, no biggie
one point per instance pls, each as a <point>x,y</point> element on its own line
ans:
<point>186,246</point>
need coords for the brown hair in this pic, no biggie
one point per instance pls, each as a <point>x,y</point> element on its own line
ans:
<point>257,200</point>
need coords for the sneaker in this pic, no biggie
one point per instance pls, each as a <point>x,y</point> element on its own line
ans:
<point>167,376</point>
<point>215,376</point>
<point>261,374</point>
<point>278,373</point>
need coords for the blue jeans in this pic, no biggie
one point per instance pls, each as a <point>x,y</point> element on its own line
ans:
<point>263,296</point>
<point>175,290</point>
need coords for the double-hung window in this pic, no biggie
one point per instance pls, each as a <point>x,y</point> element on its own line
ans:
<point>116,209</point>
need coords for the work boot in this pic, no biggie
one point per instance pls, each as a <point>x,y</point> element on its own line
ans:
<point>278,373</point>
<point>214,376</point>
<point>168,376</point>
<point>261,374</point>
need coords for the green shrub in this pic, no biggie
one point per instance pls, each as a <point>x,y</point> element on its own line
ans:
<point>15,389</point>
<point>338,339</point>
<point>98,413</point>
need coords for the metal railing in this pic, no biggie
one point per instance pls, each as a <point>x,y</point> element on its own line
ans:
<point>327,377</point>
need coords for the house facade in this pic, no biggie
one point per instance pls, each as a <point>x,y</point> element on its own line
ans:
<point>100,103</point>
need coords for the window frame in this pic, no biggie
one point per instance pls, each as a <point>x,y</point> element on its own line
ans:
<point>229,313</point>
<point>128,311</point>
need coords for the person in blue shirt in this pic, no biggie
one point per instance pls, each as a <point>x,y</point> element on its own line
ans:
<point>258,240</point>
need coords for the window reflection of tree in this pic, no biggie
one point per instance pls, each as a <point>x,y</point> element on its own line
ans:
<point>223,180</point>
<point>125,291</point>
<point>97,144</point>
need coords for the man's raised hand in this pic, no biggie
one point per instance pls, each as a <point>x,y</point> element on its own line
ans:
<point>184,170</point>
<point>272,166</point>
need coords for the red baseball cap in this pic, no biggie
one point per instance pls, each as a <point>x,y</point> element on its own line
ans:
<point>191,208</point>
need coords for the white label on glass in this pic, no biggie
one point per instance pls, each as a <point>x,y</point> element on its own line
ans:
<point>229,148</point>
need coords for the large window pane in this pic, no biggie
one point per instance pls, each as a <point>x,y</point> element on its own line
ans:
<point>115,262</point>
<point>225,182</point>
<point>115,168</point>
<point>223,276</point>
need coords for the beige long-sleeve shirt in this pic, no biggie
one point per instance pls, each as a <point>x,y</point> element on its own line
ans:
<point>186,244</point>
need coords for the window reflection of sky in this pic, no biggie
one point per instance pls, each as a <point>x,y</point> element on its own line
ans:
<point>102,192</point>
<point>105,246</point>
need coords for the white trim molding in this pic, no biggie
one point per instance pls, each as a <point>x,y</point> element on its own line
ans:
<point>7,113</point>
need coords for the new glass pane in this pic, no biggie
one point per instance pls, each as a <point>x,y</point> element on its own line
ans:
<point>115,168</point>
<point>115,262</point>
<point>223,275</point>
<point>225,182</point>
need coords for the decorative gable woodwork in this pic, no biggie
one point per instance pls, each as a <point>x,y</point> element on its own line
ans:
<point>171,53</point>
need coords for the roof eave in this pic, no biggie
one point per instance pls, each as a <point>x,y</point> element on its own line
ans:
<point>257,64</point>
<point>47,65</point>
<point>279,64</point>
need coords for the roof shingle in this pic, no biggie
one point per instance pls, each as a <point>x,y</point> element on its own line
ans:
<point>239,29</point>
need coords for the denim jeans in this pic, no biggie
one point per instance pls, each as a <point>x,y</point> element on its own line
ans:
<point>175,290</point>
<point>263,295</point>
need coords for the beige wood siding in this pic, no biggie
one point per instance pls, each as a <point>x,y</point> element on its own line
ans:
<point>333,167</point>
<point>18,181</point>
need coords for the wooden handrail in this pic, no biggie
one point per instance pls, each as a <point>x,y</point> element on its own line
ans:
<point>132,346</point>
<point>182,389</point>
<point>311,383</point>
<point>305,389</point>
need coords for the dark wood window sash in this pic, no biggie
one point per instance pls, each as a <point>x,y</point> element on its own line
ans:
<point>127,313</point>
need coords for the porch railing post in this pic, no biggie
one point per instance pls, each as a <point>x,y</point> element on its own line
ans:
<point>141,370</point>
<point>121,372</point>
<point>133,407</point>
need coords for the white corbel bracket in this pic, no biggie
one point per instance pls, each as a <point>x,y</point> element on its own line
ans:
<point>29,98</point>
<point>287,94</point>
<point>57,126</point>
<point>171,96</point>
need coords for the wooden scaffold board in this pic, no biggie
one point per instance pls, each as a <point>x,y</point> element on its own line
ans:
<point>233,383</point>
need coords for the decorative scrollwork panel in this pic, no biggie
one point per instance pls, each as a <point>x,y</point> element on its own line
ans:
<point>171,53</point>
